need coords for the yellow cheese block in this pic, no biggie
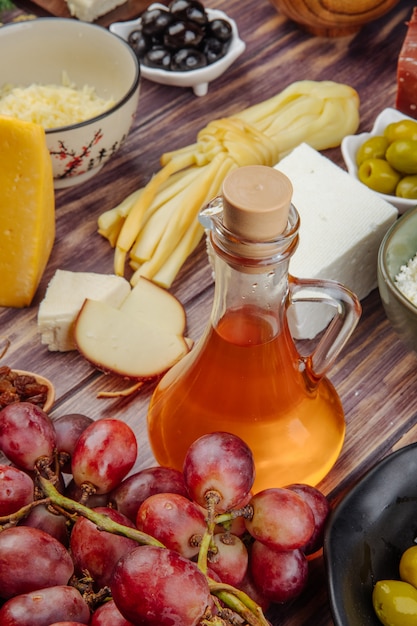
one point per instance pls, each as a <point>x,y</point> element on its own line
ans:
<point>27,210</point>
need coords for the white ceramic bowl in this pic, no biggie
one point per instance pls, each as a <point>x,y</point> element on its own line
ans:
<point>39,51</point>
<point>198,79</point>
<point>350,145</point>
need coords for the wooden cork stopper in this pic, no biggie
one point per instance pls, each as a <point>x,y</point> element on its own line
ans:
<point>256,202</point>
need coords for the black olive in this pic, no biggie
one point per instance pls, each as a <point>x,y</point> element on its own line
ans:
<point>181,34</point>
<point>139,42</point>
<point>155,21</point>
<point>213,49</point>
<point>188,59</point>
<point>220,29</point>
<point>189,10</point>
<point>158,57</point>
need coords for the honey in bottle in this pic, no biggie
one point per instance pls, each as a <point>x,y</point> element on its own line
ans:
<point>245,375</point>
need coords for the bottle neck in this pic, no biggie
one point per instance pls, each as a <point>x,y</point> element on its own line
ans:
<point>251,278</point>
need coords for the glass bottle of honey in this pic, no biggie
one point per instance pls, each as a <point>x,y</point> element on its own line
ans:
<point>245,375</point>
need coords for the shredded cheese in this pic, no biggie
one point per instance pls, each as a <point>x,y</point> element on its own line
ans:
<point>52,106</point>
<point>406,280</point>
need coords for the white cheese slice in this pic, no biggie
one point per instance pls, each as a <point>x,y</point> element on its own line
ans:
<point>90,10</point>
<point>342,224</point>
<point>64,298</point>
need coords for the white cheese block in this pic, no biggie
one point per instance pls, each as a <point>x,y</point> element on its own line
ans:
<point>342,224</point>
<point>64,298</point>
<point>90,10</point>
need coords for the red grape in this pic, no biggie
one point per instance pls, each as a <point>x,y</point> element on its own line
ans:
<point>320,506</point>
<point>36,559</point>
<point>174,520</point>
<point>221,463</point>
<point>68,429</point>
<point>52,523</point>
<point>248,586</point>
<point>104,454</point>
<point>16,489</point>
<point>108,615</point>
<point>279,575</point>
<point>133,490</point>
<point>26,434</point>
<point>98,551</point>
<point>44,607</point>
<point>158,587</point>
<point>281,519</point>
<point>230,560</point>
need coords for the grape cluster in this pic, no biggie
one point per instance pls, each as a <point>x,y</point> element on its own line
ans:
<point>84,541</point>
<point>180,37</point>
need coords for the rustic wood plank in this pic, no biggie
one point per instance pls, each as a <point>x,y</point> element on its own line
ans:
<point>375,375</point>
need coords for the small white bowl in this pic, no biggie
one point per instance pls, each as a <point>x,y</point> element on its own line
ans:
<point>197,79</point>
<point>351,144</point>
<point>41,51</point>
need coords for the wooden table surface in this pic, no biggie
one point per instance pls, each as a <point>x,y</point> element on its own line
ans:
<point>376,376</point>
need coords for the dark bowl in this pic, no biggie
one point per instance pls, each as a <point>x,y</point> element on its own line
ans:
<point>367,533</point>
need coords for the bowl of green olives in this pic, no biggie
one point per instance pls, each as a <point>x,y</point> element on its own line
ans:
<point>385,159</point>
<point>182,44</point>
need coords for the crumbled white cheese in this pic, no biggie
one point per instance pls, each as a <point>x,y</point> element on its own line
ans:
<point>90,10</point>
<point>64,298</point>
<point>342,225</point>
<point>52,106</point>
<point>406,280</point>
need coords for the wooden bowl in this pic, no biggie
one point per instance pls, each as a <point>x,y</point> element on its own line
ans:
<point>333,18</point>
<point>50,398</point>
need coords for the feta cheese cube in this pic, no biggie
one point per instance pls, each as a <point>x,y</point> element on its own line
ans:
<point>342,226</point>
<point>90,10</point>
<point>64,298</point>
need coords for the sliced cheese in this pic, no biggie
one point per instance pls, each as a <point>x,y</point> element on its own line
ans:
<point>64,298</point>
<point>342,224</point>
<point>151,302</point>
<point>90,10</point>
<point>27,210</point>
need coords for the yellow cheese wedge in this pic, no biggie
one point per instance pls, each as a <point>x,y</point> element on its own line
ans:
<point>27,210</point>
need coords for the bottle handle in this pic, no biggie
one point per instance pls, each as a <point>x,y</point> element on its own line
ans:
<point>347,311</point>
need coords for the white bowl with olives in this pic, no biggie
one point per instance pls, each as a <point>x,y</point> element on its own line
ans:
<point>182,44</point>
<point>383,178</point>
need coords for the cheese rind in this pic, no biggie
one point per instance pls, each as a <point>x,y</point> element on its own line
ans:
<point>342,224</point>
<point>90,10</point>
<point>64,298</point>
<point>27,210</point>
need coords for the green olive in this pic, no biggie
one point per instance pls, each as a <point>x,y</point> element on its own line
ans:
<point>395,603</point>
<point>407,188</point>
<point>378,175</point>
<point>402,155</point>
<point>408,564</point>
<point>404,129</point>
<point>372,148</point>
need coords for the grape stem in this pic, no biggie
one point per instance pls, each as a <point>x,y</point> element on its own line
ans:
<point>239,602</point>
<point>235,599</point>
<point>102,521</point>
<point>14,518</point>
